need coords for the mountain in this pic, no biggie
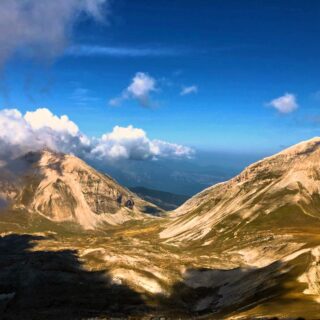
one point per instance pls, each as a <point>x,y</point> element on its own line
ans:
<point>62,188</point>
<point>247,248</point>
<point>279,191</point>
<point>165,200</point>
<point>258,236</point>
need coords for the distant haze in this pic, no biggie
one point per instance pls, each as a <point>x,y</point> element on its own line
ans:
<point>188,176</point>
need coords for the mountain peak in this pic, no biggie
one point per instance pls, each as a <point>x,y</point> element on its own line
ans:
<point>63,187</point>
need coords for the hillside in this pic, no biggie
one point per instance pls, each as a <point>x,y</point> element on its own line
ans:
<point>279,191</point>
<point>62,187</point>
<point>248,248</point>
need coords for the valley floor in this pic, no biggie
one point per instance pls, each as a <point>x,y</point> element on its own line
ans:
<point>50,273</point>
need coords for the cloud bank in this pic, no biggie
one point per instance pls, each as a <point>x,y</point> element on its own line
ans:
<point>142,85</point>
<point>38,129</point>
<point>41,29</point>
<point>285,104</point>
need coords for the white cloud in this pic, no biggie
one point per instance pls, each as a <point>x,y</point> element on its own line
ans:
<point>124,142</point>
<point>285,104</point>
<point>35,130</point>
<point>15,134</point>
<point>41,128</point>
<point>189,90</point>
<point>41,29</point>
<point>170,150</point>
<point>133,143</point>
<point>141,87</point>
<point>43,118</point>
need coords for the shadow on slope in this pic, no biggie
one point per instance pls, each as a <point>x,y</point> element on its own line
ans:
<point>269,292</point>
<point>54,284</point>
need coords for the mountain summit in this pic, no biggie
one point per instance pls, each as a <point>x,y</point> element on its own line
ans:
<point>62,187</point>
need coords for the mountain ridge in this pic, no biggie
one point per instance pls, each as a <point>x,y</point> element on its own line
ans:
<point>280,173</point>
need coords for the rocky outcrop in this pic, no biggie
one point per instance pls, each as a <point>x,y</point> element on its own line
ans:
<point>101,196</point>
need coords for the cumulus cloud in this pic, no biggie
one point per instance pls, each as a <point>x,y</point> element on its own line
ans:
<point>140,88</point>
<point>38,129</point>
<point>133,143</point>
<point>43,118</point>
<point>41,29</point>
<point>285,104</point>
<point>189,90</point>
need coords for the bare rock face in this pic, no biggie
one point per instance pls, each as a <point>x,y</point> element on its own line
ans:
<point>101,196</point>
<point>64,188</point>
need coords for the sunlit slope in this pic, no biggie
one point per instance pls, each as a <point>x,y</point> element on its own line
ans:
<point>282,191</point>
<point>64,188</point>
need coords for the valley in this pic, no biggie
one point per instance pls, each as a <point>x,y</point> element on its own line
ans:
<point>248,248</point>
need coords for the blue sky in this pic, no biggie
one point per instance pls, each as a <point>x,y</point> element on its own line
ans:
<point>238,56</point>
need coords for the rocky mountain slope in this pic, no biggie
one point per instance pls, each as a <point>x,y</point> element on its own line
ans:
<point>282,190</point>
<point>64,188</point>
<point>248,248</point>
<point>261,232</point>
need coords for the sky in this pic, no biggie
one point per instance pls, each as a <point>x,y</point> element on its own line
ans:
<point>234,76</point>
